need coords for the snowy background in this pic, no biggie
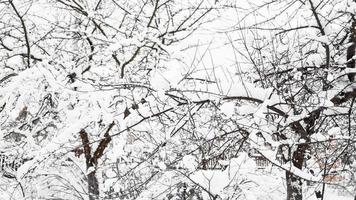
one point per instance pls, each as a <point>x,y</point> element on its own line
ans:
<point>177,100</point>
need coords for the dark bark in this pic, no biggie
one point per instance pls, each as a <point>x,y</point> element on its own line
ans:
<point>351,51</point>
<point>294,187</point>
<point>92,161</point>
<point>294,183</point>
<point>93,186</point>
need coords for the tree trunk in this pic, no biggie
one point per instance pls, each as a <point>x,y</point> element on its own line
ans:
<point>92,160</point>
<point>351,51</point>
<point>93,186</point>
<point>294,187</point>
<point>295,183</point>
